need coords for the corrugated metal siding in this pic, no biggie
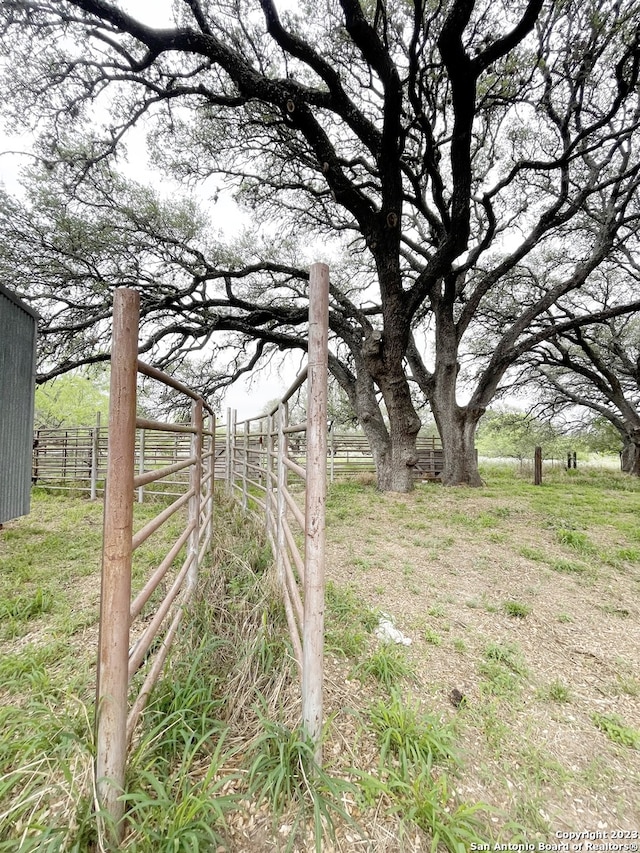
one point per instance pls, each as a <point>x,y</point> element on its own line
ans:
<point>17,372</point>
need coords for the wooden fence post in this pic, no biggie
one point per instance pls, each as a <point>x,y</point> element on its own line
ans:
<point>115,600</point>
<point>315,504</point>
<point>537,466</point>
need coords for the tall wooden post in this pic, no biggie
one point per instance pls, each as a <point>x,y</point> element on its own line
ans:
<point>315,505</point>
<point>115,600</point>
<point>537,467</point>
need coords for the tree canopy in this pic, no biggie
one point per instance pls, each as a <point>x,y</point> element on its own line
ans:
<point>72,400</point>
<point>598,369</point>
<point>473,164</point>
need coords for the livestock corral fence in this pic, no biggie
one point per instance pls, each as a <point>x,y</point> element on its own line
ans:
<point>76,458</point>
<point>136,632</point>
<point>292,496</point>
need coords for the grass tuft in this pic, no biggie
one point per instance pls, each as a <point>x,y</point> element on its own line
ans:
<point>413,739</point>
<point>387,664</point>
<point>556,691</point>
<point>429,803</point>
<point>616,730</point>
<point>282,770</point>
<point>516,609</point>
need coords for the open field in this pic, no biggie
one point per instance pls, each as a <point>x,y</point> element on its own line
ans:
<point>514,713</point>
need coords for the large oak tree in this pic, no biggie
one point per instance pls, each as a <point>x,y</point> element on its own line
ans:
<point>477,158</point>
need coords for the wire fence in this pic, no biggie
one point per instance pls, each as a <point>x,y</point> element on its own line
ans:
<point>136,632</point>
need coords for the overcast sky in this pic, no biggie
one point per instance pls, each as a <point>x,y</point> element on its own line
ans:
<point>248,397</point>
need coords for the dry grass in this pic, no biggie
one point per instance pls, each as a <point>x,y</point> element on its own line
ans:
<point>444,563</point>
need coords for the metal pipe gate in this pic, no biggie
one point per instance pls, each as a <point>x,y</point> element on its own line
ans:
<point>119,657</point>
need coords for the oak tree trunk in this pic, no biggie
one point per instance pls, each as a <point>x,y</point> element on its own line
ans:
<point>457,428</point>
<point>394,452</point>
<point>630,456</point>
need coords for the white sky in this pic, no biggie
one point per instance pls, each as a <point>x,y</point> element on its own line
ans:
<point>248,397</point>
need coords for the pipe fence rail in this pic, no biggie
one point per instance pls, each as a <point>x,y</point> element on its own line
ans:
<point>136,632</point>
<point>263,474</point>
<point>75,459</point>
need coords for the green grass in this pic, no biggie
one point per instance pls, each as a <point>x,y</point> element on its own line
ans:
<point>432,637</point>
<point>571,567</point>
<point>616,730</point>
<point>555,691</point>
<point>530,553</point>
<point>177,770</point>
<point>348,621</point>
<point>574,539</point>
<point>387,664</point>
<point>409,737</point>
<point>502,670</point>
<point>222,728</point>
<point>411,744</point>
<point>507,654</point>
<point>516,609</point>
<point>459,645</point>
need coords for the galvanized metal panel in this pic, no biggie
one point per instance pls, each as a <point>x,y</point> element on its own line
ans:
<point>17,382</point>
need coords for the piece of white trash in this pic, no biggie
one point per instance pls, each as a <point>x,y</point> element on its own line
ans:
<point>388,632</point>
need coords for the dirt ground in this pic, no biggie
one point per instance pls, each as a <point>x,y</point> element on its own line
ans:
<point>454,578</point>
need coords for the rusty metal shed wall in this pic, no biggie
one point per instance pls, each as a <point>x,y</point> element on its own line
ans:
<point>18,329</point>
